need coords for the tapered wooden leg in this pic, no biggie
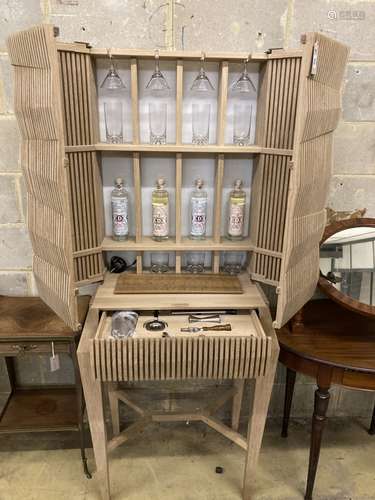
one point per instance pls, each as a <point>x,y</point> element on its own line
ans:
<point>372,426</point>
<point>257,421</point>
<point>114,407</point>
<point>237,404</point>
<point>94,404</point>
<point>80,407</point>
<point>289,390</point>
<point>322,397</point>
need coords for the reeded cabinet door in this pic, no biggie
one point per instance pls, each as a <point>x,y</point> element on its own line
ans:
<point>318,113</point>
<point>301,104</point>
<point>53,180</point>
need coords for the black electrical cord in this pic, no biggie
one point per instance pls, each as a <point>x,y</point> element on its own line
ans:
<point>119,265</point>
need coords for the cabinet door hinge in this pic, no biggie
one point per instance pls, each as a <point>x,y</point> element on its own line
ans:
<point>314,60</point>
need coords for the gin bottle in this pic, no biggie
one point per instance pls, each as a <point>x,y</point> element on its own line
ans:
<point>236,211</point>
<point>160,211</point>
<point>198,211</point>
<point>119,202</point>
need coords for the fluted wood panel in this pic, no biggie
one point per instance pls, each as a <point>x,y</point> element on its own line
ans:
<point>180,358</point>
<point>272,181</point>
<point>276,118</point>
<point>244,353</point>
<point>87,215</point>
<point>318,113</point>
<point>38,109</point>
<point>80,116</point>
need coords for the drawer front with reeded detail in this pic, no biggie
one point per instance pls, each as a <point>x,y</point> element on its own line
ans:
<point>239,354</point>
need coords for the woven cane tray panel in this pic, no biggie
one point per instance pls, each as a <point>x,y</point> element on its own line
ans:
<point>177,283</point>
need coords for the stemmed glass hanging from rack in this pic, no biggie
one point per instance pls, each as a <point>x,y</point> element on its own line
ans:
<point>202,82</point>
<point>112,81</point>
<point>157,81</point>
<point>244,83</point>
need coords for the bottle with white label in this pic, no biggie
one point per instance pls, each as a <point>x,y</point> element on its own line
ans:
<point>236,211</point>
<point>120,220</point>
<point>160,211</point>
<point>198,211</point>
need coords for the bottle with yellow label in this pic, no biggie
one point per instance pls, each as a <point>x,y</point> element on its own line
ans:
<point>160,211</point>
<point>236,211</point>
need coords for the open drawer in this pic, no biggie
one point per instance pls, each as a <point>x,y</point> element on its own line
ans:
<point>240,353</point>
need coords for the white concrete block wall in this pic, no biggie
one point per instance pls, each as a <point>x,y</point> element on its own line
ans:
<point>252,25</point>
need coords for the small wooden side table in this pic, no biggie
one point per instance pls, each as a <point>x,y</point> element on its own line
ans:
<point>336,347</point>
<point>28,325</point>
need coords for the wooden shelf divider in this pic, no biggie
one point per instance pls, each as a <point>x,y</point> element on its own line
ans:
<point>218,209</point>
<point>179,118</point>
<point>179,100</point>
<point>138,206</point>
<point>222,103</point>
<point>136,159</point>
<point>178,203</point>
<point>134,99</point>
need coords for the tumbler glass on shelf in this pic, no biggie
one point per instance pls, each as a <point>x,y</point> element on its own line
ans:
<point>158,122</point>
<point>160,262</point>
<point>113,121</point>
<point>233,262</point>
<point>242,123</point>
<point>201,122</point>
<point>195,262</point>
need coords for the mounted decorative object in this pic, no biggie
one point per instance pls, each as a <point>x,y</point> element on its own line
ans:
<point>290,162</point>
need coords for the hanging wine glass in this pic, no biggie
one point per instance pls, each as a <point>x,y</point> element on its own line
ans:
<point>157,81</point>
<point>202,82</point>
<point>112,81</point>
<point>244,83</point>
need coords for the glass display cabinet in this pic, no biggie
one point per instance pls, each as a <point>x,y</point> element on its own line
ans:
<point>278,141</point>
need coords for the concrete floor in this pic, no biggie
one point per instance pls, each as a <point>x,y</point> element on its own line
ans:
<point>177,462</point>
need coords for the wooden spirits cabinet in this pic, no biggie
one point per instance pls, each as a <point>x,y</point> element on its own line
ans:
<point>57,109</point>
<point>298,107</point>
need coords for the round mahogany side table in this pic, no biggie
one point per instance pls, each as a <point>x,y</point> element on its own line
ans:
<point>336,347</point>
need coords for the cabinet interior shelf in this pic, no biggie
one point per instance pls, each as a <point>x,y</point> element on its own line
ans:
<point>180,148</point>
<point>107,299</point>
<point>147,244</point>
